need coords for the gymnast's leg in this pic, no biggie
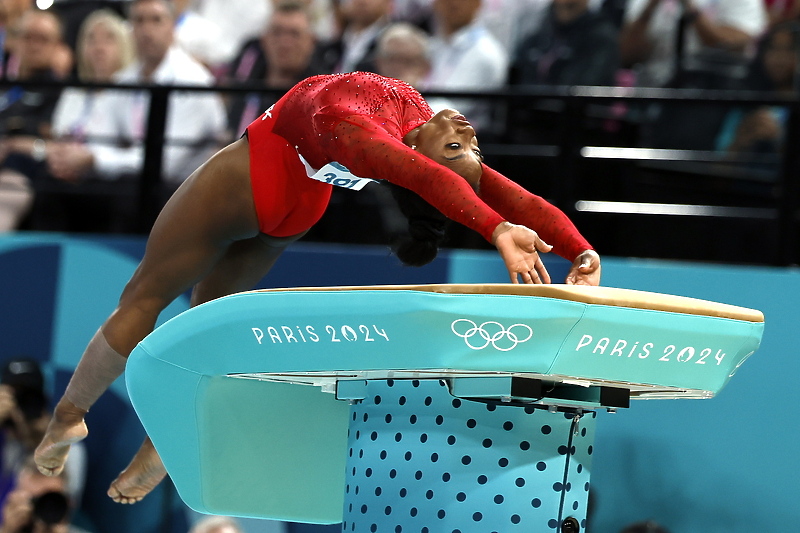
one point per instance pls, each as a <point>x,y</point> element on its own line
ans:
<point>242,266</point>
<point>209,212</point>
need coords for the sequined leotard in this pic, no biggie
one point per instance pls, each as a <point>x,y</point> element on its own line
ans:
<point>359,120</point>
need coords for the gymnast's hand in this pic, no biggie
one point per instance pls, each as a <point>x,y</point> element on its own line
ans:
<point>585,269</point>
<point>520,247</point>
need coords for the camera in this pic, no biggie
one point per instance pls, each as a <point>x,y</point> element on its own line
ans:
<point>24,376</point>
<point>31,402</point>
<point>50,508</point>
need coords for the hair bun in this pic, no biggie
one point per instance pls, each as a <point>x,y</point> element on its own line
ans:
<point>426,228</point>
<point>415,253</point>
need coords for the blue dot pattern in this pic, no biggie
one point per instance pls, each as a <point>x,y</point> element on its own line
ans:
<point>421,460</point>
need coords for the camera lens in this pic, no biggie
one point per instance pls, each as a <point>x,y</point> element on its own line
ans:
<point>51,507</point>
<point>31,402</point>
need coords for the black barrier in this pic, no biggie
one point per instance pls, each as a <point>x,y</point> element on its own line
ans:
<point>771,212</point>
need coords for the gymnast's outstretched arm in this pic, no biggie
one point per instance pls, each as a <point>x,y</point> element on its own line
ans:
<point>367,150</point>
<point>519,206</point>
<point>370,152</point>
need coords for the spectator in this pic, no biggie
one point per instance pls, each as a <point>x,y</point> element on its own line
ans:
<point>22,410</point>
<point>11,13</point>
<point>103,48</point>
<point>465,57</point>
<point>774,69</point>
<point>216,524</point>
<point>23,419</point>
<point>27,113</point>
<point>39,35</point>
<point>712,55</point>
<point>284,55</point>
<point>195,121</point>
<point>403,53</point>
<point>717,33</point>
<point>38,504</point>
<point>574,46</point>
<point>364,21</point>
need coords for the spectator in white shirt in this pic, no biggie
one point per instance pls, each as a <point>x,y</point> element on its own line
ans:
<point>103,48</point>
<point>465,57</point>
<point>195,121</point>
<point>648,40</point>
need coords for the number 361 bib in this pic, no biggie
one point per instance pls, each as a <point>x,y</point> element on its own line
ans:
<point>336,174</point>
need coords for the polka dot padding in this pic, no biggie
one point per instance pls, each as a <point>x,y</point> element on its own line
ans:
<point>422,461</point>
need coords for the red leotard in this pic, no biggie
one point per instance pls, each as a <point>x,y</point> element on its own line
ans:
<point>359,120</point>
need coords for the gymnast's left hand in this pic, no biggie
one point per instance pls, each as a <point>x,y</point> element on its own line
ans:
<point>585,269</point>
<point>520,247</point>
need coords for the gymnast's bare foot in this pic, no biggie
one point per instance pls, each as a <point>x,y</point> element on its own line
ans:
<point>140,477</point>
<point>66,428</point>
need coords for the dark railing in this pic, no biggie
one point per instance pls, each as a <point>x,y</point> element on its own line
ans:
<point>569,168</point>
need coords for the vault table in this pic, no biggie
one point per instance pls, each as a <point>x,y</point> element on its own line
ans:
<point>433,408</point>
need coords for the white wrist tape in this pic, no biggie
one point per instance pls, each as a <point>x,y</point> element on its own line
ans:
<point>99,366</point>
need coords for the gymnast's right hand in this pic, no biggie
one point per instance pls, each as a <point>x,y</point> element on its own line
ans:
<point>520,247</point>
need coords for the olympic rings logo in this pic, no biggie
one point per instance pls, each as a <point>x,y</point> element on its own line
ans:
<point>491,332</point>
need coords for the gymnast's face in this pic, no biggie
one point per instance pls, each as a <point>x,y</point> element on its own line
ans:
<point>448,138</point>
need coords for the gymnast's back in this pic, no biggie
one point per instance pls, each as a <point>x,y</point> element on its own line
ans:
<point>308,113</point>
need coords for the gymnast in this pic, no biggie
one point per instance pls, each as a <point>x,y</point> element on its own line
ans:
<point>226,225</point>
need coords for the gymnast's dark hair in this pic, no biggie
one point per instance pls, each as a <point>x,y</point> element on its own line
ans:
<point>426,228</point>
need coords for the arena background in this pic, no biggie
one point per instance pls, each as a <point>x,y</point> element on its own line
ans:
<point>723,465</point>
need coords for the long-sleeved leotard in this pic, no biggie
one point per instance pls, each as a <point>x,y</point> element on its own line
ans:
<point>359,120</point>
<point>519,206</point>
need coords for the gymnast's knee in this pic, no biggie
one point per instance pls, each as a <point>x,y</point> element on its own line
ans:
<point>132,321</point>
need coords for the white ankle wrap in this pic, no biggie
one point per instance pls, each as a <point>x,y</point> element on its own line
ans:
<point>99,366</point>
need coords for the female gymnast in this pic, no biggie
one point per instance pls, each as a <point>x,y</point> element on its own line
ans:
<point>226,225</point>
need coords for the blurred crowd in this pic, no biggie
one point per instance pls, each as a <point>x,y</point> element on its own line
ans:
<point>61,148</point>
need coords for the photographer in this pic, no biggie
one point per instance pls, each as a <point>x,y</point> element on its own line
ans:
<point>24,416</point>
<point>38,504</point>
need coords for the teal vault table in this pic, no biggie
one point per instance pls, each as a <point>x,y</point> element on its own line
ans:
<point>434,408</point>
